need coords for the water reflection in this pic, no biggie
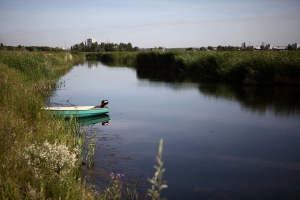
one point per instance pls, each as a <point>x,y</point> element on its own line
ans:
<point>102,118</point>
<point>216,140</point>
<point>160,75</point>
<point>260,162</point>
<point>92,64</point>
<point>283,101</point>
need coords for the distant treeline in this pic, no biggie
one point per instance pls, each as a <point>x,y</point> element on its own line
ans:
<point>30,48</point>
<point>238,67</point>
<point>113,47</point>
<point>103,47</point>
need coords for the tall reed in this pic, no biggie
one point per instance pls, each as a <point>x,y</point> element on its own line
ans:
<point>238,67</point>
<point>109,57</point>
<point>244,68</point>
<point>157,182</point>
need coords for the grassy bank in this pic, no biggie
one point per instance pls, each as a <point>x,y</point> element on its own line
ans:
<point>238,67</point>
<point>39,155</point>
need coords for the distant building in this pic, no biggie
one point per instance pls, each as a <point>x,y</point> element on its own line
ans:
<point>269,46</point>
<point>243,45</point>
<point>279,48</point>
<point>90,41</point>
<point>296,45</point>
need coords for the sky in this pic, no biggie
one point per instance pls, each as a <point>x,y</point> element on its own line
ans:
<point>150,23</point>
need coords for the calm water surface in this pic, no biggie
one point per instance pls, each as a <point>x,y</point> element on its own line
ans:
<point>220,141</point>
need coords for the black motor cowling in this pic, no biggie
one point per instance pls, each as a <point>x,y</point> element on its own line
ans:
<point>104,103</point>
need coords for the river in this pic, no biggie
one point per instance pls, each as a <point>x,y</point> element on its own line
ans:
<point>220,141</point>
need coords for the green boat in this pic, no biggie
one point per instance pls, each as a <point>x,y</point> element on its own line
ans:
<point>79,111</point>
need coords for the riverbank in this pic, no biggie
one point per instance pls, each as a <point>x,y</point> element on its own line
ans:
<point>236,67</point>
<point>40,156</point>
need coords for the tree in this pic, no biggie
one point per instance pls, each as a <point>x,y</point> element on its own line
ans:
<point>202,49</point>
<point>190,49</point>
<point>94,47</point>
<point>81,47</point>
<point>219,48</point>
<point>109,47</point>
<point>129,47</point>
<point>249,48</point>
<point>232,48</point>
<point>210,48</point>
<point>291,47</point>
<point>101,47</point>
<point>125,47</point>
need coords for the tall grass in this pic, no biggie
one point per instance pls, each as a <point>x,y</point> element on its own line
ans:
<point>238,67</point>
<point>109,57</point>
<point>39,154</point>
<point>245,68</point>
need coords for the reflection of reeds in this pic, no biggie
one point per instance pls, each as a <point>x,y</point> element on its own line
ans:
<point>282,101</point>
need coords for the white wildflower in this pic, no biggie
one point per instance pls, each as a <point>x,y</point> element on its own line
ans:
<point>56,157</point>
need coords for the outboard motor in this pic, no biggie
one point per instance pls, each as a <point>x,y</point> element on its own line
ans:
<point>104,103</point>
<point>105,123</point>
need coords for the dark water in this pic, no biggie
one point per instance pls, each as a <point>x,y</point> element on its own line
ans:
<point>220,141</point>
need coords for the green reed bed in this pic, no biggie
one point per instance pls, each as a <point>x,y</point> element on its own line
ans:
<point>109,57</point>
<point>239,67</point>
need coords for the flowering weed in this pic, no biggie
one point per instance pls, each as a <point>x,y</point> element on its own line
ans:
<point>157,181</point>
<point>55,157</point>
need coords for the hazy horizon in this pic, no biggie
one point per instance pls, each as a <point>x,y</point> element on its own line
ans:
<point>150,23</point>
